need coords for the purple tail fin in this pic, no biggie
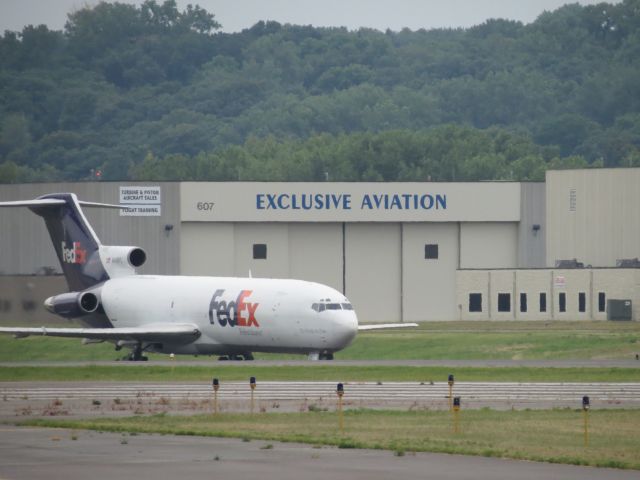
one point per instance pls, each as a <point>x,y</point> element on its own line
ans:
<point>75,242</point>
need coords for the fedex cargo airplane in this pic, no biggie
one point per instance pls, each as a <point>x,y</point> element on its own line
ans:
<point>227,316</point>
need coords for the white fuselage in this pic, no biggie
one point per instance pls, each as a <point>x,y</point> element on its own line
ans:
<point>235,314</point>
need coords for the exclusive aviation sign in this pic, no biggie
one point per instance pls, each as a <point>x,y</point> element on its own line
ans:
<point>349,202</point>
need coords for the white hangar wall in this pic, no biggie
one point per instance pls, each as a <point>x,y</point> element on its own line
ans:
<point>368,240</point>
<point>593,215</point>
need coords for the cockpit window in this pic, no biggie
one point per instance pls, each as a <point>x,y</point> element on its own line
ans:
<point>321,307</point>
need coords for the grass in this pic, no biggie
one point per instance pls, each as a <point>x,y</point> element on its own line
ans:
<point>434,340</point>
<point>431,341</point>
<point>314,372</point>
<point>539,435</point>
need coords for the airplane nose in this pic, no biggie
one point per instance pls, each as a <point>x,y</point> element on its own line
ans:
<point>346,327</point>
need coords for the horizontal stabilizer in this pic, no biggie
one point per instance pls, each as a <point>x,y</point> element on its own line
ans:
<point>43,202</point>
<point>101,205</point>
<point>383,326</point>
<point>176,333</point>
<point>50,202</point>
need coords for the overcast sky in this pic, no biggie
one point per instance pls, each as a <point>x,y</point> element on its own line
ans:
<point>234,15</point>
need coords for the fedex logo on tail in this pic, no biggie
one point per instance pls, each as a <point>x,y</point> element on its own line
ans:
<point>75,255</point>
<point>236,312</point>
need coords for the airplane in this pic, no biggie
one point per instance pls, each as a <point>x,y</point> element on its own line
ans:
<point>231,317</point>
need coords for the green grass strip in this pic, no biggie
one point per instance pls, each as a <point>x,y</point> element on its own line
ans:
<point>539,435</point>
<point>314,372</point>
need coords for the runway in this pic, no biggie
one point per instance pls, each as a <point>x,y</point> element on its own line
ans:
<point>28,399</point>
<point>42,454</point>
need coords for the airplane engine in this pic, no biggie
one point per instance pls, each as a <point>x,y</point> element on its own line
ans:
<point>73,304</point>
<point>124,256</point>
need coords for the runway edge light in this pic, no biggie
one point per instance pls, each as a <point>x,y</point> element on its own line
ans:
<point>252,385</point>
<point>456,413</point>
<point>216,387</point>
<point>585,411</point>
<point>340,393</point>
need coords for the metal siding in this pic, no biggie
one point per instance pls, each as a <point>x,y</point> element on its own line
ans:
<point>429,284</point>
<point>27,246</point>
<point>373,270</point>
<point>315,253</point>
<point>605,225</point>
<point>207,249</point>
<point>488,245</point>
<point>275,236</point>
<point>531,243</point>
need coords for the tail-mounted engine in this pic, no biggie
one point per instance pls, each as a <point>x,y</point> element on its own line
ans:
<point>122,261</point>
<point>74,304</point>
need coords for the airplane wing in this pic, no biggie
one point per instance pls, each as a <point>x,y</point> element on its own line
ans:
<point>383,326</point>
<point>147,333</point>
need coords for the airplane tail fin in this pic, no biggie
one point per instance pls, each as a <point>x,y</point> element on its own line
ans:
<point>76,244</point>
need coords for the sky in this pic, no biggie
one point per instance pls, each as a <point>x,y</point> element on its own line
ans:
<point>235,15</point>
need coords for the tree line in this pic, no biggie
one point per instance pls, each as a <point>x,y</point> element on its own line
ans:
<point>154,92</point>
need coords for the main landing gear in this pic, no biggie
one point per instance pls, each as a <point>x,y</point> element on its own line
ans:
<point>314,356</point>
<point>136,354</point>
<point>242,356</point>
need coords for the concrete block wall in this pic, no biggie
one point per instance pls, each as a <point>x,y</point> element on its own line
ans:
<point>554,284</point>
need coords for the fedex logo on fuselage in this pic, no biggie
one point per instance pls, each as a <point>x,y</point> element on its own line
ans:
<point>76,254</point>
<point>236,312</point>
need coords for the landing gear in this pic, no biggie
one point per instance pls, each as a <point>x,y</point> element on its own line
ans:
<point>314,356</point>
<point>240,357</point>
<point>136,354</point>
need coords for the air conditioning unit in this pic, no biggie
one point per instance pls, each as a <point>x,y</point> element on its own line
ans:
<point>619,309</point>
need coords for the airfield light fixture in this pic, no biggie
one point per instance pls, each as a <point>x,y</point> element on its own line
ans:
<point>216,386</point>
<point>456,414</point>
<point>340,393</point>
<point>252,385</point>
<point>585,411</point>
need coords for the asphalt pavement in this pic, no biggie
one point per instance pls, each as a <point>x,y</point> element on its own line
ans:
<point>45,454</point>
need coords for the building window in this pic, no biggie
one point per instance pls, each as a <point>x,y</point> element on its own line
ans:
<point>562,302</point>
<point>602,302</point>
<point>475,302</point>
<point>582,302</point>
<point>431,252</point>
<point>572,200</point>
<point>259,251</point>
<point>543,302</point>
<point>523,302</point>
<point>504,302</point>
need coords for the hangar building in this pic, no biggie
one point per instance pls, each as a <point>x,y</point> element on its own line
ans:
<point>399,251</point>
